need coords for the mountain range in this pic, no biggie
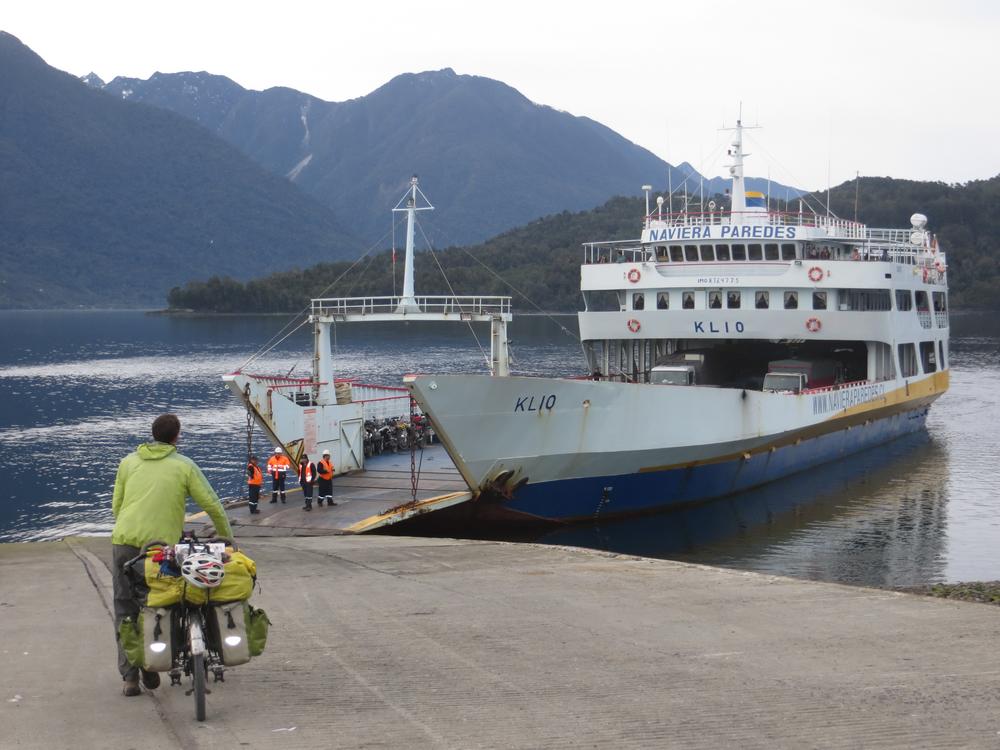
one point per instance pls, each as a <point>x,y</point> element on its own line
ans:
<point>114,193</point>
<point>490,158</point>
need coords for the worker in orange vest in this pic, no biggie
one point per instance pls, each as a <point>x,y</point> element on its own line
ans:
<point>324,469</point>
<point>255,478</point>
<point>278,466</point>
<point>307,478</point>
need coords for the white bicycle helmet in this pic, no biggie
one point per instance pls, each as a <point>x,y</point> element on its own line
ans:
<point>203,570</point>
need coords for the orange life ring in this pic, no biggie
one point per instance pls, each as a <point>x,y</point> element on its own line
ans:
<point>815,273</point>
<point>633,325</point>
<point>813,325</point>
<point>634,275</point>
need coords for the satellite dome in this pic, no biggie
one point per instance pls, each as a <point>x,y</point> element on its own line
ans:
<point>919,221</point>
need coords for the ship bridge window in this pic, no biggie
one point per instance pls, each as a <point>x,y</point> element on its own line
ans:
<point>819,300</point>
<point>762,300</point>
<point>687,300</point>
<point>771,251</point>
<point>707,253</point>
<point>739,252</point>
<point>715,300</point>
<point>755,252</point>
<point>663,300</point>
<point>691,253</point>
<point>907,360</point>
<point>661,253</point>
<point>733,300</point>
<point>788,251</point>
<point>722,252</point>
<point>904,300</point>
<point>676,253</point>
<point>940,303</point>
<point>927,357</point>
<point>791,300</point>
<point>638,301</point>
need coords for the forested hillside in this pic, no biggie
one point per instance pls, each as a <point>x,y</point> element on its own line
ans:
<point>541,260</point>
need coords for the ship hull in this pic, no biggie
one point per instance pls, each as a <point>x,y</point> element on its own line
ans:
<point>612,449</point>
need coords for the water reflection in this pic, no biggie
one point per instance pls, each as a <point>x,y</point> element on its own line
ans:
<point>880,519</point>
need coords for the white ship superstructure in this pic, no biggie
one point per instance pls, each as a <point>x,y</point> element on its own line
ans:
<point>725,349</point>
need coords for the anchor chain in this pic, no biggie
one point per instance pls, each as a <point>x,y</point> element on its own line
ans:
<point>413,452</point>
<point>250,426</point>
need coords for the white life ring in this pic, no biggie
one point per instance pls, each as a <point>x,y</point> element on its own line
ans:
<point>633,325</point>
<point>634,275</point>
<point>813,325</point>
<point>815,274</point>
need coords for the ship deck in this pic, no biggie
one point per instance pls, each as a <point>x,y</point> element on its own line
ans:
<point>362,498</point>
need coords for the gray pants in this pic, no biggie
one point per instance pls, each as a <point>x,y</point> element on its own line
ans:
<point>125,604</point>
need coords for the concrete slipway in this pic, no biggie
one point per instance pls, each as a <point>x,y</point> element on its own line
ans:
<point>383,642</point>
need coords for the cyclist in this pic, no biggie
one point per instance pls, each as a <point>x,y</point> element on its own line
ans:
<point>151,490</point>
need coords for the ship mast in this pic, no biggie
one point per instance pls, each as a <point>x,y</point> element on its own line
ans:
<point>408,303</point>
<point>738,198</point>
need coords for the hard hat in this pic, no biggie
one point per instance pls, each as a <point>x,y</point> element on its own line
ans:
<point>277,450</point>
<point>326,453</point>
<point>203,570</point>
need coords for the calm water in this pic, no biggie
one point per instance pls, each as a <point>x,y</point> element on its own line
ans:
<point>78,390</point>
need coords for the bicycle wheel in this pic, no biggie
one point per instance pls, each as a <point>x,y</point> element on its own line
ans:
<point>198,674</point>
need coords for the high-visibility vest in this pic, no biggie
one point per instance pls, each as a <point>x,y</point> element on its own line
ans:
<point>325,469</point>
<point>256,475</point>
<point>278,465</point>
<point>306,473</point>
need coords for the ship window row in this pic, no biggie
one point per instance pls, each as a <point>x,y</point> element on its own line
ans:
<point>856,300</point>
<point>731,299</point>
<point>724,253</point>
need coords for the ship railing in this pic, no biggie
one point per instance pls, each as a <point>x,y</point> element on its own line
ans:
<point>839,227</point>
<point>924,316</point>
<point>472,305</point>
<point>382,401</point>
<point>837,386</point>
<point>941,318</point>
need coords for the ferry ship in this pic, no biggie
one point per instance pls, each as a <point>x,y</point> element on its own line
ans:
<point>724,349</point>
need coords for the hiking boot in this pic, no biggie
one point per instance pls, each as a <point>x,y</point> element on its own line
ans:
<point>320,502</point>
<point>274,499</point>
<point>150,680</point>
<point>131,688</point>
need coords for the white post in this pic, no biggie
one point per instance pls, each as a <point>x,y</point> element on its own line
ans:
<point>409,303</point>
<point>499,359</point>
<point>323,367</point>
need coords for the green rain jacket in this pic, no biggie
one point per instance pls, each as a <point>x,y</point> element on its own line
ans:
<point>151,489</point>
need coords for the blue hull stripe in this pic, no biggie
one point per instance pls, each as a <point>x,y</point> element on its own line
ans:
<point>590,497</point>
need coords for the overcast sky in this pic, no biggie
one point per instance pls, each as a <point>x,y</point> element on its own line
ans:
<point>905,89</point>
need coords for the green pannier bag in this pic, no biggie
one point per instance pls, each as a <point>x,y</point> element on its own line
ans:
<point>257,624</point>
<point>130,638</point>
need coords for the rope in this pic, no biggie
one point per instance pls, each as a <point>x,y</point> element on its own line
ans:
<point>451,289</point>
<point>268,345</point>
